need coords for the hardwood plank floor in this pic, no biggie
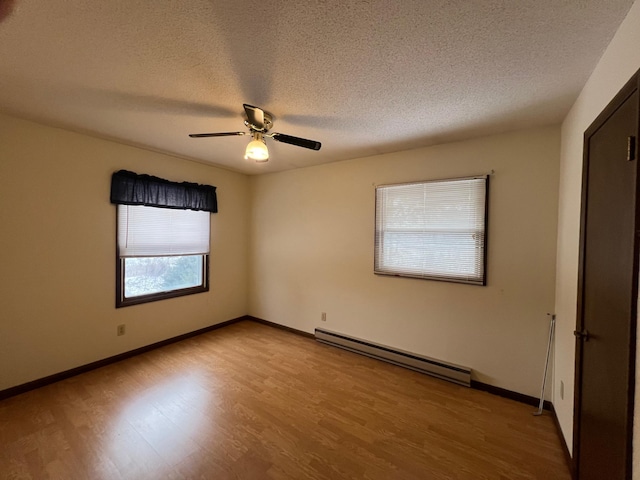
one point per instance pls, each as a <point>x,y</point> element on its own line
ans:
<point>249,401</point>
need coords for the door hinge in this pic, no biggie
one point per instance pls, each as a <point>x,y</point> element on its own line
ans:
<point>631,148</point>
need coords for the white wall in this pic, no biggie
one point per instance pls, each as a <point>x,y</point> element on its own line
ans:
<point>619,62</point>
<point>57,252</point>
<point>312,252</point>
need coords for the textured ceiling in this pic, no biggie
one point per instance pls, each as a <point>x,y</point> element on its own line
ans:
<point>362,77</point>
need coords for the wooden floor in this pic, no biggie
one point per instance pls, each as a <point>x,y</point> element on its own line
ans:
<point>249,401</point>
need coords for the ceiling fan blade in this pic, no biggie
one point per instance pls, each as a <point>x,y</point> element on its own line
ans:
<point>255,116</point>
<point>297,141</point>
<point>221,134</point>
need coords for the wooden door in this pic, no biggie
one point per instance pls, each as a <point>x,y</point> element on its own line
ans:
<point>605,334</point>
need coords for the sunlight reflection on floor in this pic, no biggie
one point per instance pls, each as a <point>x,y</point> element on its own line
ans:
<point>161,427</point>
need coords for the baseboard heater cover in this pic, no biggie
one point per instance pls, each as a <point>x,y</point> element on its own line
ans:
<point>436,368</point>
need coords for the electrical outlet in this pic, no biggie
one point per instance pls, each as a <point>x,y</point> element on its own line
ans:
<point>561,390</point>
<point>323,317</point>
<point>121,329</point>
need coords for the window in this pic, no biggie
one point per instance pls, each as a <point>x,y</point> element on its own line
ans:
<point>162,253</point>
<point>433,230</point>
<point>162,237</point>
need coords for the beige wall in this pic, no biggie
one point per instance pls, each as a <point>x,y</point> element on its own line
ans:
<point>312,247</point>
<point>57,252</point>
<point>312,252</point>
<point>619,62</point>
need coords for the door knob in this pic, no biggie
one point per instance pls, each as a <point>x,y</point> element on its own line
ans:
<point>583,335</point>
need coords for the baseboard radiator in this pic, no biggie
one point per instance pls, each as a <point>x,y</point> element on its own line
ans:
<point>419,363</point>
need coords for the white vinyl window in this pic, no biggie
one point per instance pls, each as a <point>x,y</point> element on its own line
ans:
<point>432,230</point>
<point>162,253</point>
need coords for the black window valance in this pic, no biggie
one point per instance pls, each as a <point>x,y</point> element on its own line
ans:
<point>128,188</point>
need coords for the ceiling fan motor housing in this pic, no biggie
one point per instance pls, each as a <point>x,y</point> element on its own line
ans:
<point>268,123</point>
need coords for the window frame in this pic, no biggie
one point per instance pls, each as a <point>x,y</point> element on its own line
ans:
<point>122,301</point>
<point>442,278</point>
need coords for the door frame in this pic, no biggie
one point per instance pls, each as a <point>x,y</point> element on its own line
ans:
<point>629,88</point>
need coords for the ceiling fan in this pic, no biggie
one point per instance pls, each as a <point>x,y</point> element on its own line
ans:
<point>259,123</point>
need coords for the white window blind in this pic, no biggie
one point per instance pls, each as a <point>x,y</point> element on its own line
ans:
<point>152,232</point>
<point>433,229</point>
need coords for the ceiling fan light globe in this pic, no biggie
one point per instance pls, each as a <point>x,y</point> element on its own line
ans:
<point>257,150</point>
